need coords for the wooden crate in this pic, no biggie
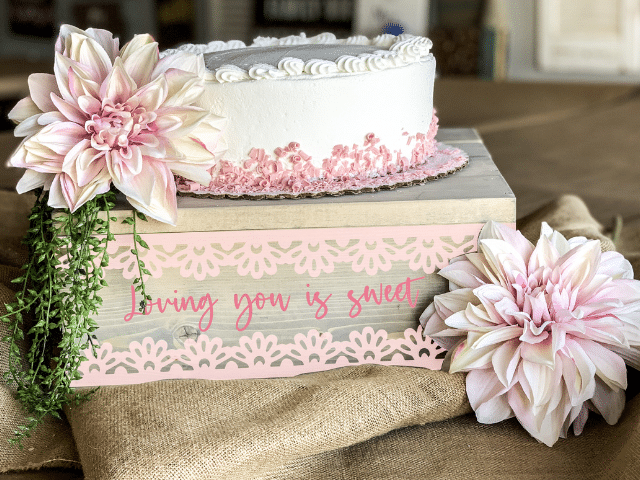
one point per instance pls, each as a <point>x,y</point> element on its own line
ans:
<point>272,288</point>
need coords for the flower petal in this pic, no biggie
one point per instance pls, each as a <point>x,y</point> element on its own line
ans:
<point>541,353</point>
<point>176,122</point>
<point>163,206</point>
<point>32,179</point>
<point>194,152</point>
<point>486,397</point>
<point>608,402</point>
<point>435,328</point>
<point>138,182</point>
<point>40,87</point>
<point>118,85</point>
<point>505,361</point>
<point>103,37</point>
<point>84,163</point>
<point>152,94</point>
<point>579,265</point>
<point>69,110</point>
<point>469,358</point>
<point>539,378</point>
<point>489,295</point>
<point>482,264</point>
<point>208,134</point>
<point>64,192</point>
<point>504,259</point>
<point>610,368</point>
<point>28,127</point>
<point>22,110</point>
<point>59,137</point>
<point>79,85</point>
<point>189,62</point>
<point>463,273</point>
<point>498,335</point>
<point>471,318</point>
<point>51,117</point>
<point>451,302</point>
<point>192,172</point>
<point>89,104</point>
<point>579,417</point>
<point>88,52</point>
<point>106,41</point>
<point>56,197</point>
<point>139,57</point>
<point>586,369</point>
<point>544,428</point>
<point>184,87</point>
<point>545,254</point>
<point>555,238</point>
<point>62,68</point>
<point>614,265</point>
<point>513,237</point>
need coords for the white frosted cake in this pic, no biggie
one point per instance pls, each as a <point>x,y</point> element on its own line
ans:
<point>321,115</point>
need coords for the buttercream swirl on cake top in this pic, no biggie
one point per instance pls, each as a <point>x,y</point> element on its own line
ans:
<point>297,55</point>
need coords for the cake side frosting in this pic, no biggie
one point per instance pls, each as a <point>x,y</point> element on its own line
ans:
<point>304,112</point>
<point>289,169</point>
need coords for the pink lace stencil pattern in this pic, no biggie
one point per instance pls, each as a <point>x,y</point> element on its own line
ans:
<point>289,170</point>
<point>312,252</point>
<point>257,356</point>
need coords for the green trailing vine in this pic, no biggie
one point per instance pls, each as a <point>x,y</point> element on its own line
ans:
<point>142,270</point>
<point>50,322</point>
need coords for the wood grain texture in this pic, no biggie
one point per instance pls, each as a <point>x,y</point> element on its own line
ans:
<point>330,280</point>
<point>394,317</point>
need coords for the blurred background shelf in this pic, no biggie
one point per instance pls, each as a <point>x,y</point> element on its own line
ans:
<point>593,41</point>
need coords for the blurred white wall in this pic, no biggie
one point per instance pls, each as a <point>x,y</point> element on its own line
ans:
<point>524,26</point>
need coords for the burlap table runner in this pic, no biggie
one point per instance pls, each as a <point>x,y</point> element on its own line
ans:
<point>52,445</point>
<point>342,424</point>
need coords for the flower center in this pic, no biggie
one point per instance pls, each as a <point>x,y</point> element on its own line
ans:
<point>118,126</point>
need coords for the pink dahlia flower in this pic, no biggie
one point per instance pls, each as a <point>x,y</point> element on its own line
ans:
<point>115,116</point>
<point>543,331</point>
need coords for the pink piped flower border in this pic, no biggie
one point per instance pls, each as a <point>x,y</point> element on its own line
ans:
<point>289,171</point>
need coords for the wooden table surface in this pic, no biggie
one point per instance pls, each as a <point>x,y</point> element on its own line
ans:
<point>552,139</point>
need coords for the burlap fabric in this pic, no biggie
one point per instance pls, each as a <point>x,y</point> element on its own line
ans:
<point>52,445</point>
<point>365,422</point>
